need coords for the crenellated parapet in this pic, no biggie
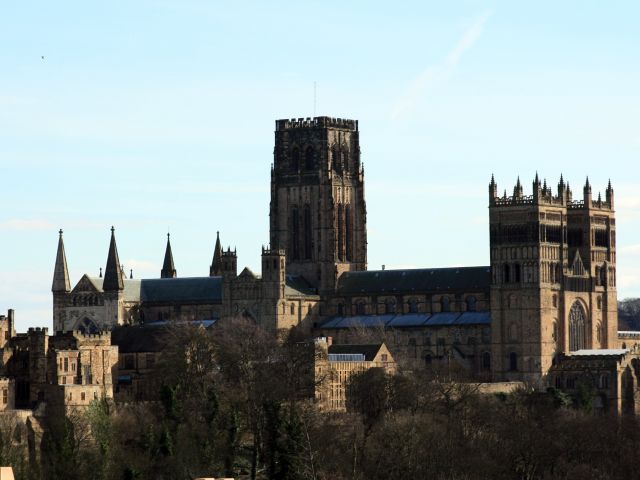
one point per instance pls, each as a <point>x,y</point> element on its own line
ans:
<point>323,122</point>
<point>542,194</point>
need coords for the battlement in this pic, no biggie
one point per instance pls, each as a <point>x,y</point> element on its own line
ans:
<point>229,253</point>
<point>80,335</point>
<point>272,251</point>
<point>543,195</point>
<point>316,122</point>
<point>38,331</point>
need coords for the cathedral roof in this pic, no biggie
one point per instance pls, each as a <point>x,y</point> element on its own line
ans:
<point>131,287</point>
<point>369,351</point>
<point>296,285</point>
<point>182,290</point>
<point>466,279</point>
<point>410,320</point>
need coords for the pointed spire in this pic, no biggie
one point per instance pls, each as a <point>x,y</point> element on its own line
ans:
<point>493,190</point>
<point>609,194</point>
<point>536,181</point>
<point>168,267</point>
<point>587,186</point>
<point>517,190</point>
<point>216,264</point>
<point>100,272</point>
<point>131,274</point>
<point>561,180</point>
<point>113,272</point>
<point>60,271</point>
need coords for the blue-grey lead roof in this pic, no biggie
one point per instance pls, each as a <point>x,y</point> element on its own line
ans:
<point>468,279</point>
<point>204,290</point>
<point>409,320</point>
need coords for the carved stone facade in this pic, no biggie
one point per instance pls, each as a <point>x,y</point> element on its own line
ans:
<point>553,264</point>
<point>550,287</point>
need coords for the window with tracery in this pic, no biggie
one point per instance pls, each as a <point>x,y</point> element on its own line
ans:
<point>577,324</point>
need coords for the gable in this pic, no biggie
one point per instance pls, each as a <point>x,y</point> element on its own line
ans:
<point>86,285</point>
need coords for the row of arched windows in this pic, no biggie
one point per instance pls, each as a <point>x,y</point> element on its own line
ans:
<point>304,159</point>
<point>309,163</point>
<point>390,306</point>
<point>301,237</point>
<point>87,300</point>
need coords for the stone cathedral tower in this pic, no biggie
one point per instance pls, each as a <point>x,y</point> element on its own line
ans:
<point>553,264</point>
<point>317,212</point>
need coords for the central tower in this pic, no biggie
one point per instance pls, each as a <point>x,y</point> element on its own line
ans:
<point>318,212</point>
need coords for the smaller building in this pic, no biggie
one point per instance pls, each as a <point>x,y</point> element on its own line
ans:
<point>608,378</point>
<point>335,364</point>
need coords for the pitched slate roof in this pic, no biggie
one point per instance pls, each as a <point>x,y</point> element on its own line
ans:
<point>369,351</point>
<point>296,285</point>
<point>409,320</point>
<point>415,280</point>
<point>182,290</point>
<point>131,290</point>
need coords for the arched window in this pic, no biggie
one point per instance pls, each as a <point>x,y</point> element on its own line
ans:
<point>471,304</point>
<point>513,332</point>
<point>309,159</point>
<point>413,306</point>
<point>427,357</point>
<point>307,232</point>
<point>486,361</point>
<point>360,308</point>
<point>603,381</point>
<point>340,223</point>
<point>559,383</point>
<point>337,161</point>
<point>554,333</point>
<point>555,301</point>
<point>577,327</point>
<point>390,306</point>
<point>348,233</point>
<point>513,362</point>
<point>295,160</point>
<point>445,304</point>
<point>517,273</point>
<point>599,303</point>
<point>295,234</point>
<point>293,309</point>
<point>505,273</point>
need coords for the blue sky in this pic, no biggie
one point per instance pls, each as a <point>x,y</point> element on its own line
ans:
<point>151,115</point>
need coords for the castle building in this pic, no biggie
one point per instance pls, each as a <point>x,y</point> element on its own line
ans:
<point>549,291</point>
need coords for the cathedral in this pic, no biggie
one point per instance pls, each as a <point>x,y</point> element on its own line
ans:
<point>548,294</point>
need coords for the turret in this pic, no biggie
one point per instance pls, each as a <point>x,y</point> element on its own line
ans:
<point>168,267</point>
<point>536,189</point>
<point>587,194</point>
<point>113,277</point>
<point>224,264</point>
<point>60,273</point>
<point>113,286</point>
<point>609,195</point>
<point>493,190</point>
<point>216,265</point>
<point>517,190</point>
<point>562,190</point>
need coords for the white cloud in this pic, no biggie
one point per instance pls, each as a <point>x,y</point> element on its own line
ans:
<point>438,73</point>
<point>26,224</point>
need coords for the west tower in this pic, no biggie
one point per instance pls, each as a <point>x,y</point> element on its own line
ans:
<point>553,277</point>
<point>318,212</point>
